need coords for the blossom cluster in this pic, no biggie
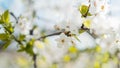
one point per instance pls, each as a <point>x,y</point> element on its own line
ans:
<point>94,20</point>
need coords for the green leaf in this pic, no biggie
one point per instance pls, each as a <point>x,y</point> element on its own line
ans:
<point>9,28</point>
<point>31,42</point>
<point>22,48</point>
<point>29,50</point>
<point>4,36</point>
<point>6,44</point>
<point>84,9</point>
<point>81,31</point>
<point>89,14</point>
<point>21,37</point>
<point>29,47</point>
<point>1,22</point>
<point>5,16</point>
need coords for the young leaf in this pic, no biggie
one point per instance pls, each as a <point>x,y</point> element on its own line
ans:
<point>84,10</point>
<point>9,28</point>
<point>22,48</point>
<point>81,31</point>
<point>29,47</point>
<point>5,16</point>
<point>6,44</point>
<point>21,37</point>
<point>1,22</point>
<point>4,36</point>
<point>89,14</point>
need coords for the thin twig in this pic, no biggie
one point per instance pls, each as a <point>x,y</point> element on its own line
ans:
<point>118,57</point>
<point>16,18</point>
<point>34,59</point>
<point>19,42</point>
<point>53,34</point>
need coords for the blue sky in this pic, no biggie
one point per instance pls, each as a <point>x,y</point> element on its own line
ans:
<point>5,4</point>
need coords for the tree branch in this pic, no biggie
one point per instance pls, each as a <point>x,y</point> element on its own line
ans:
<point>16,18</point>
<point>34,59</point>
<point>53,34</point>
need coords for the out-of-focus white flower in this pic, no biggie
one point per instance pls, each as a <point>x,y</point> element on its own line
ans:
<point>69,27</point>
<point>63,40</point>
<point>36,33</point>
<point>24,26</point>
<point>109,42</point>
<point>72,27</point>
<point>87,21</point>
<point>117,40</point>
<point>99,6</point>
<point>37,46</point>
<point>100,25</point>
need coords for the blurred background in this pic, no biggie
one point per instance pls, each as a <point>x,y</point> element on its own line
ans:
<point>47,14</point>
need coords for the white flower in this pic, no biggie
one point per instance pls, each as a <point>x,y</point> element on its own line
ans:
<point>87,21</point>
<point>100,25</point>
<point>38,45</point>
<point>99,6</point>
<point>24,26</point>
<point>63,40</point>
<point>68,26</point>
<point>72,27</point>
<point>117,40</point>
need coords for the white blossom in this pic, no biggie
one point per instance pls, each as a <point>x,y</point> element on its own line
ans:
<point>24,26</point>
<point>69,26</point>
<point>99,6</point>
<point>63,40</point>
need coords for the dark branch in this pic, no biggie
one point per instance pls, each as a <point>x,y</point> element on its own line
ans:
<point>16,18</point>
<point>34,59</point>
<point>58,33</point>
